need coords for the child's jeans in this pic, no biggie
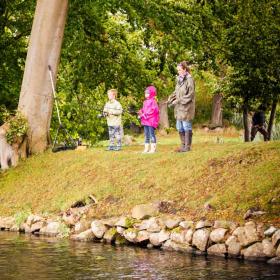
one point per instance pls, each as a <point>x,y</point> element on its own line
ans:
<point>115,136</point>
<point>149,134</point>
<point>183,126</point>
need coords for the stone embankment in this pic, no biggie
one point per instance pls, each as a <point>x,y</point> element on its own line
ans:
<point>146,228</point>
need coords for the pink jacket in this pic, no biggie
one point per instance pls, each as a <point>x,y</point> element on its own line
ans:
<point>149,114</point>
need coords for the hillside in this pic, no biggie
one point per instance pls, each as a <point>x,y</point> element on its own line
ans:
<point>230,176</point>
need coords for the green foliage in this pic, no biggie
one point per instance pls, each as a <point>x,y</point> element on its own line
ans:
<point>16,123</point>
<point>21,217</point>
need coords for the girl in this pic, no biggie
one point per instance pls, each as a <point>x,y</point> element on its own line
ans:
<point>149,116</point>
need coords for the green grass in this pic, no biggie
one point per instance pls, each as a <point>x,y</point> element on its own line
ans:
<point>232,176</point>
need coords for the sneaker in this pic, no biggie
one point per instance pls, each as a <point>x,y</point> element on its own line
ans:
<point>117,148</point>
<point>110,148</point>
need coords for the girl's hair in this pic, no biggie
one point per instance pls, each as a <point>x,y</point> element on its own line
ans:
<point>185,65</point>
<point>114,91</point>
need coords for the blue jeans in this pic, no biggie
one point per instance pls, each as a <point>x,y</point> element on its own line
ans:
<point>149,134</point>
<point>183,126</point>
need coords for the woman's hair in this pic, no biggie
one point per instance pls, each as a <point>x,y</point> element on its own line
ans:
<point>185,65</point>
<point>114,91</point>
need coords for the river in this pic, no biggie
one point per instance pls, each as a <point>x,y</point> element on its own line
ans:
<point>27,257</point>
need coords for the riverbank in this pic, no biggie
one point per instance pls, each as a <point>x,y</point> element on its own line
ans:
<point>221,178</point>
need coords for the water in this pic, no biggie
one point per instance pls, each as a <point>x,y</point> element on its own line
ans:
<point>29,257</point>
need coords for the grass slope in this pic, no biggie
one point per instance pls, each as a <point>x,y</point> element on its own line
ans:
<point>232,177</point>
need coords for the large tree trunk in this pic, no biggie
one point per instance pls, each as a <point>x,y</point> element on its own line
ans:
<point>163,110</point>
<point>217,116</point>
<point>245,122</point>
<point>272,117</point>
<point>36,100</point>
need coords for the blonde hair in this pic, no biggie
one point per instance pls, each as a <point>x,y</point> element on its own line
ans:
<point>114,91</point>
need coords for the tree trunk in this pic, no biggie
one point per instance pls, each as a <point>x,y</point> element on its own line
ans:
<point>272,117</point>
<point>217,116</point>
<point>245,122</point>
<point>163,118</point>
<point>36,100</point>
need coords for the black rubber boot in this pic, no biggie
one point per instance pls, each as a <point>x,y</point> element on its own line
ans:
<point>183,139</point>
<point>188,140</point>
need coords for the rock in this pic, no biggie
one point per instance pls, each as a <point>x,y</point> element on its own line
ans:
<point>178,236</point>
<point>130,234</point>
<point>120,230</point>
<point>252,213</point>
<point>110,235</point>
<point>25,228</point>
<point>15,228</point>
<point>157,238</point>
<point>203,224</point>
<point>144,211</point>
<point>151,225</point>
<point>7,223</point>
<point>110,222</point>
<point>170,245</point>
<point>270,231</point>
<point>268,248</point>
<point>225,224</point>
<point>82,226</point>
<point>218,235</point>
<point>189,236</point>
<point>186,224</point>
<point>247,235</point>
<point>142,236</point>
<point>274,261</point>
<point>32,219</point>
<point>98,228</point>
<point>150,246</point>
<point>217,250</point>
<point>234,247</point>
<point>200,239</point>
<point>37,226</point>
<point>278,251</point>
<point>120,240</point>
<point>126,222</point>
<point>276,238</point>
<point>171,222</point>
<point>52,229</point>
<point>84,236</point>
<point>70,219</point>
<point>254,252</point>
<point>128,140</point>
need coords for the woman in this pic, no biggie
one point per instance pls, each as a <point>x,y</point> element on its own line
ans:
<point>183,100</point>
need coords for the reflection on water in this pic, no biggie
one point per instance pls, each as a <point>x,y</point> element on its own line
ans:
<point>27,257</point>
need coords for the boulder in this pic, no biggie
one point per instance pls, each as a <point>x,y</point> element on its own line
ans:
<point>178,236</point>
<point>32,219</point>
<point>247,235</point>
<point>203,224</point>
<point>219,235</point>
<point>268,248</point>
<point>276,238</point>
<point>130,235</point>
<point>82,226</point>
<point>142,236</point>
<point>120,230</point>
<point>157,238</point>
<point>278,251</point>
<point>37,226</point>
<point>275,260</point>
<point>144,211</point>
<point>171,222</point>
<point>52,228</point>
<point>170,245</point>
<point>186,224</point>
<point>7,223</point>
<point>98,228</point>
<point>217,250</point>
<point>151,225</point>
<point>234,247</point>
<point>126,222</point>
<point>189,235</point>
<point>111,222</point>
<point>254,252</point>
<point>225,224</point>
<point>200,239</point>
<point>270,231</point>
<point>84,236</point>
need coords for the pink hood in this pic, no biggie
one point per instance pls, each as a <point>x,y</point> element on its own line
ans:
<point>149,114</point>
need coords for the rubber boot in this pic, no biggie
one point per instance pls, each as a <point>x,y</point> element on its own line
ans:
<point>182,138</point>
<point>188,139</point>
<point>146,148</point>
<point>153,148</point>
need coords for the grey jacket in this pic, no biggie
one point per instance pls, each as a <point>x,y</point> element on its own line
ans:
<point>183,98</point>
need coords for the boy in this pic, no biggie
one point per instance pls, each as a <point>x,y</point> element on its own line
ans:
<point>113,112</point>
